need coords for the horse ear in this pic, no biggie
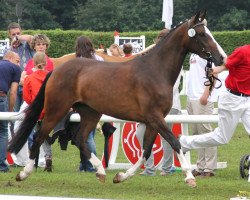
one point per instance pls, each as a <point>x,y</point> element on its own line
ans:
<point>202,15</point>
<point>197,16</point>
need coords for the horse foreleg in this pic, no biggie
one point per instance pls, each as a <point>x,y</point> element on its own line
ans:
<point>89,120</point>
<point>148,140</point>
<point>97,164</point>
<point>186,167</point>
<point>161,126</point>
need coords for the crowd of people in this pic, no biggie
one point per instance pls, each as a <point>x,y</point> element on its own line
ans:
<point>25,65</point>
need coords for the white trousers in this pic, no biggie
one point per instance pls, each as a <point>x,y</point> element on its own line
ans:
<point>231,109</point>
<point>22,157</point>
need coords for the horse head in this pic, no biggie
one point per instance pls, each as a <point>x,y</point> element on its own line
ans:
<point>202,42</point>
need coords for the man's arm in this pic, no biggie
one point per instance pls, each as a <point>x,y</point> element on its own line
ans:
<point>219,69</point>
<point>12,95</point>
<point>16,40</point>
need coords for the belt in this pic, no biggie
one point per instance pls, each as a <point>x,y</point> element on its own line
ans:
<point>2,94</point>
<point>238,93</point>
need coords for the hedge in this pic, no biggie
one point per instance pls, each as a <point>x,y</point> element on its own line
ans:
<point>62,42</point>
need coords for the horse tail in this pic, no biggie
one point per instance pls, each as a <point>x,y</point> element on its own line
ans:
<point>32,113</point>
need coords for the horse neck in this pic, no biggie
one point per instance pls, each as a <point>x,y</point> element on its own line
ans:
<point>170,54</point>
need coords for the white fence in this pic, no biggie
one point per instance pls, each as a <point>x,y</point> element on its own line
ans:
<point>183,119</point>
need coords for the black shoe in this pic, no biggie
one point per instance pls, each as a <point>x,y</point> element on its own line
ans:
<point>207,174</point>
<point>196,173</point>
<point>48,166</point>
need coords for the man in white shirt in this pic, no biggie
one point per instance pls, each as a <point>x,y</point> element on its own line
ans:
<point>200,102</point>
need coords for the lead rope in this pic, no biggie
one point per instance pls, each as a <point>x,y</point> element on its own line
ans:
<point>211,78</point>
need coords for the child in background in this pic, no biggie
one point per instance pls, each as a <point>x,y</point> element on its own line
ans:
<point>31,87</point>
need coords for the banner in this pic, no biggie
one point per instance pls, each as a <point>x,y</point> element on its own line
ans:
<point>167,13</point>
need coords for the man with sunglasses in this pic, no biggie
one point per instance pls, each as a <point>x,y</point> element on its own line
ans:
<point>20,45</point>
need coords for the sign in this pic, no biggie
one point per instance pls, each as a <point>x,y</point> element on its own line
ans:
<point>138,43</point>
<point>132,147</point>
<point>4,44</point>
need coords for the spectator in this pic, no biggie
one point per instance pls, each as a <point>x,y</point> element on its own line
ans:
<point>39,43</point>
<point>31,87</point>
<point>20,45</point>
<point>10,74</point>
<point>115,50</point>
<point>85,49</point>
<point>233,104</point>
<point>200,102</point>
<point>127,49</point>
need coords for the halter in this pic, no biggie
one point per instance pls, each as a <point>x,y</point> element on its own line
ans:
<point>211,78</point>
<point>208,69</point>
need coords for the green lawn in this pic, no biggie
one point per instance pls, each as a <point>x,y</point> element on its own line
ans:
<point>66,181</point>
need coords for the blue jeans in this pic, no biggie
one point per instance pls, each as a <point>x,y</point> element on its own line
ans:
<point>3,135</point>
<point>19,98</point>
<point>85,164</point>
<point>45,145</point>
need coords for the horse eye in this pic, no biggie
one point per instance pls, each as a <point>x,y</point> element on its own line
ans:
<point>202,34</point>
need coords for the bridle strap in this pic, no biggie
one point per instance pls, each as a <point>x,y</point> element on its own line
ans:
<point>208,69</point>
<point>211,78</point>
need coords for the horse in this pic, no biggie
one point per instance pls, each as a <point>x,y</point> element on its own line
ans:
<point>137,90</point>
<point>58,61</point>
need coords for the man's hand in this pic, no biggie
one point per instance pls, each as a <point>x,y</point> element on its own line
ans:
<point>15,42</point>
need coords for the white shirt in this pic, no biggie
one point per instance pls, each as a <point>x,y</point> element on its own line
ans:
<point>176,94</point>
<point>97,57</point>
<point>196,79</point>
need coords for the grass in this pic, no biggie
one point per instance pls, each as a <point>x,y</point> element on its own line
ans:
<point>66,181</point>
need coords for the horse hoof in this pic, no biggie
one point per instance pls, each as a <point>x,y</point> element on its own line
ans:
<point>191,183</point>
<point>101,177</point>
<point>118,178</point>
<point>18,177</point>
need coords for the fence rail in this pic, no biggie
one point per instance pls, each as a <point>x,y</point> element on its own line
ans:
<point>183,119</point>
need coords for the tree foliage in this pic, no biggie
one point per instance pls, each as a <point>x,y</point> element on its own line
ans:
<point>129,15</point>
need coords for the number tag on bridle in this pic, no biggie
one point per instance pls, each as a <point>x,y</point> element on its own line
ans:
<point>191,32</point>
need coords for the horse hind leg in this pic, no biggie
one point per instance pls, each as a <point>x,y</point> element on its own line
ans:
<point>50,120</point>
<point>89,120</point>
<point>148,141</point>
<point>161,126</point>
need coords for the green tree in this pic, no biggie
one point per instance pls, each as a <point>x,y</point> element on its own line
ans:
<point>233,20</point>
<point>35,16</point>
<point>7,13</point>
<point>119,15</point>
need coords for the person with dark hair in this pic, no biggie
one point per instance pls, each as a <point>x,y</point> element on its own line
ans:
<point>20,45</point>
<point>85,49</point>
<point>10,74</point>
<point>127,49</point>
